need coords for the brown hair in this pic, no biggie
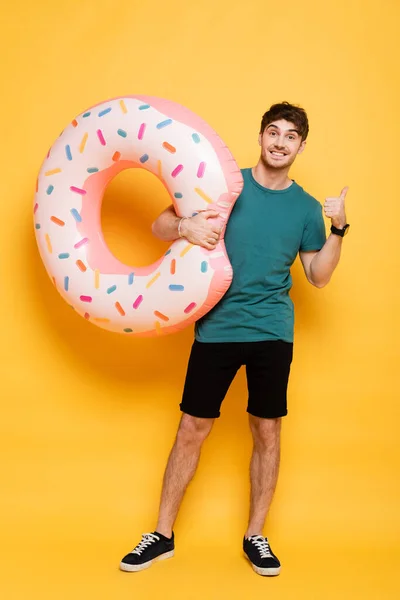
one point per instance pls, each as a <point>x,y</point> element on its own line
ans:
<point>289,112</point>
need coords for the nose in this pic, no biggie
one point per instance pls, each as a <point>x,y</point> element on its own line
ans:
<point>280,142</point>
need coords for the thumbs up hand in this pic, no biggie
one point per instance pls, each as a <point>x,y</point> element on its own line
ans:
<point>334,209</point>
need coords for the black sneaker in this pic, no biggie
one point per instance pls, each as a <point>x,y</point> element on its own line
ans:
<point>259,553</point>
<point>153,546</point>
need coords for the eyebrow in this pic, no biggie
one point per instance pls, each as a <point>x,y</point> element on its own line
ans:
<point>276,127</point>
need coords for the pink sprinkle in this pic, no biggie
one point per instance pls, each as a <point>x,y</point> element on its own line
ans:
<point>87,316</point>
<point>101,137</point>
<point>137,302</point>
<point>81,243</point>
<point>141,131</point>
<point>201,169</point>
<point>35,208</point>
<point>177,170</point>
<point>190,307</point>
<point>86,298</point>
<point>48,154</point>
<point>77,190</point>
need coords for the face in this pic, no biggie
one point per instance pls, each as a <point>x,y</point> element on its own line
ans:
<point>280,144</point>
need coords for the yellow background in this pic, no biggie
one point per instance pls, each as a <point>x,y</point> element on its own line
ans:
<point>88,417</point>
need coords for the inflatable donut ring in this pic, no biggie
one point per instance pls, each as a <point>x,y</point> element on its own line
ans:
<point>199,173</point>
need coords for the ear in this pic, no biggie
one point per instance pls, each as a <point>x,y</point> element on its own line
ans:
<point>301,147</point>
<point>259,139</point>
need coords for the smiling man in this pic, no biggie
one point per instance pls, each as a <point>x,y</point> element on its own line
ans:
<point>273,221</point>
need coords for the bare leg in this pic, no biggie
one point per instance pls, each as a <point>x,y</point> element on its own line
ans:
<point>181,467</point>
<point>264,468</point>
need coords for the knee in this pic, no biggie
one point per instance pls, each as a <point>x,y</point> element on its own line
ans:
<point>193,430</point>
<point>266,432</point>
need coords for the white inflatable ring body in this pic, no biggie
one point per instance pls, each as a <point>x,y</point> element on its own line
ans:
<point>199,173</point>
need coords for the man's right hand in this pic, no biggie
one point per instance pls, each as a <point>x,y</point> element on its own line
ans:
<point>202,229</point>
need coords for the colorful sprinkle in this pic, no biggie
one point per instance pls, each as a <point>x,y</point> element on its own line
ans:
<point>190,307</point>
<point>35,207</point>
<point>81,242</point>
<point>168,147</point>
<point>77,190</point>
<point>83,143</point>
<point>204,266</point>
<point>173,266</point>
<point>52,172</point>
<point>153,279</point>
<point>116,156</point>
<point>196,138</point>
<point>137,302</point>
<point>122,133</point>
<point>101,137</point>
<point>123,107</point>
<point>96,279</point>
<point>142,129</point>
<point>164,124</point>
<point>86,114</point>
<point>144,158</point>
<point>86,298</point>
<point>203,195</point>
<point>120,309</point>
<point>101,320</point>
<point>92,170</point>
<point>57,221</point>
<point>54,281</point>
<point>68,152</point>
<point>104,112</point>
<point>177,170</point>
<point>161,316</point>
<point>81,266</point>
<point>76,215</point>
<point>37,226</point>
<point>66,283</point>
<point>144,106</point>
<point>201,169</point>
<point>128,330</point>
<point>159,168</point>
<point>186,250</point>
<point>63,255</point>
<point>75,123</point>
<point>168,252</point>
<point>86,315</point>
<point>111,289</point>
<point>157,327</point>
<point>48,242</point>
<point>176,288</point>
<point>178,195</point>
<point>130,278</point>
<point>48,154</point>
<point>49,189</point>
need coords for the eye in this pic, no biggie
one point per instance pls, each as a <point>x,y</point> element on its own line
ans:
<point>272,132</point>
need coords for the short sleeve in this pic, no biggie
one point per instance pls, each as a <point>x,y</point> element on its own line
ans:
<point>314,234</point>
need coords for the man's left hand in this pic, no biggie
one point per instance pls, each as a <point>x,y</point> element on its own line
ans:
<point>334,209</point>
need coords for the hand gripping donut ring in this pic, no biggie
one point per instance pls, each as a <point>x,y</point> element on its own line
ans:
<point>199,173</point>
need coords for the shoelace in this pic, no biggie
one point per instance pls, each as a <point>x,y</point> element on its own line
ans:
<point>147,540</point>
<point>262,545</point>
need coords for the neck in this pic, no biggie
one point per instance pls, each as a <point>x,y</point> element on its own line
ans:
<point>273,179</point>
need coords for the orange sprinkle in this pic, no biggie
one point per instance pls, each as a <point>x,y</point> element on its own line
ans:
<point>161,316</point>
<point>159,168</point>
<point>48,242</point>
<point>156,276</point>
<point>54,281</point>
<point>81,266</point>
<point>87,316</point>
<point>203,195</point>
<point>158,327</point>
<point>123,107</point>
<point>116,156</point>
<point>120,309</point>
<point>173,266</point>
<point>52,172</point>
<point>101,320</point>
<point>168,147</point>
<point>75,123</point>
<point>83,143</point>
<point>97,279</point>
<point>186,250</point>
<point>57,221</point>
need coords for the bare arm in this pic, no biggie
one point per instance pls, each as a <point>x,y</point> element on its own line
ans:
<point>319,266</point>
<point>200,229</point>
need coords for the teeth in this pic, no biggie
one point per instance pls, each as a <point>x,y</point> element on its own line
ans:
<point>278,153</point>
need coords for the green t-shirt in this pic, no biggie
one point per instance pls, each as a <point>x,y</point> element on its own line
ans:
<point>265,231</point>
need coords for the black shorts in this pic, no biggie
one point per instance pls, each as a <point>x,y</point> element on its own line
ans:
<point>213,366</point>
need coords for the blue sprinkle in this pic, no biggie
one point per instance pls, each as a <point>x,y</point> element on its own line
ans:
<point>104,112</point>
<point>111,289</point>
<point>164,123</point>
<point>49,189</point>
<point>86,115</point>
<point>144,158</point>
<point>196,138</point>
<point>37,226</point>
<point>176,288</point>
<point>144,106</point>
<point>63,255</point>
<point>127,330</point>
<point>92,170</point>
<point>68,152</point>
<point>122,133</point>
<point>167,252</point>
<point>130,278</point>
<point>194,214</point>
<point>66,283</point>
<point>204,266</point>
<point>178,195</point>
<point>76,215</point>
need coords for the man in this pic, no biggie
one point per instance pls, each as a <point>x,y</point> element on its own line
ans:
<point>272,221</point>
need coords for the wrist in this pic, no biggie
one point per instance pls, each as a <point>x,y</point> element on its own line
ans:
<point>339,224</point>
<point>183,227</point>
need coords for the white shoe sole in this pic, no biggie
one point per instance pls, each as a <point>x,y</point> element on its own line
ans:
<point>133,568</point>
<point>270,572</point>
